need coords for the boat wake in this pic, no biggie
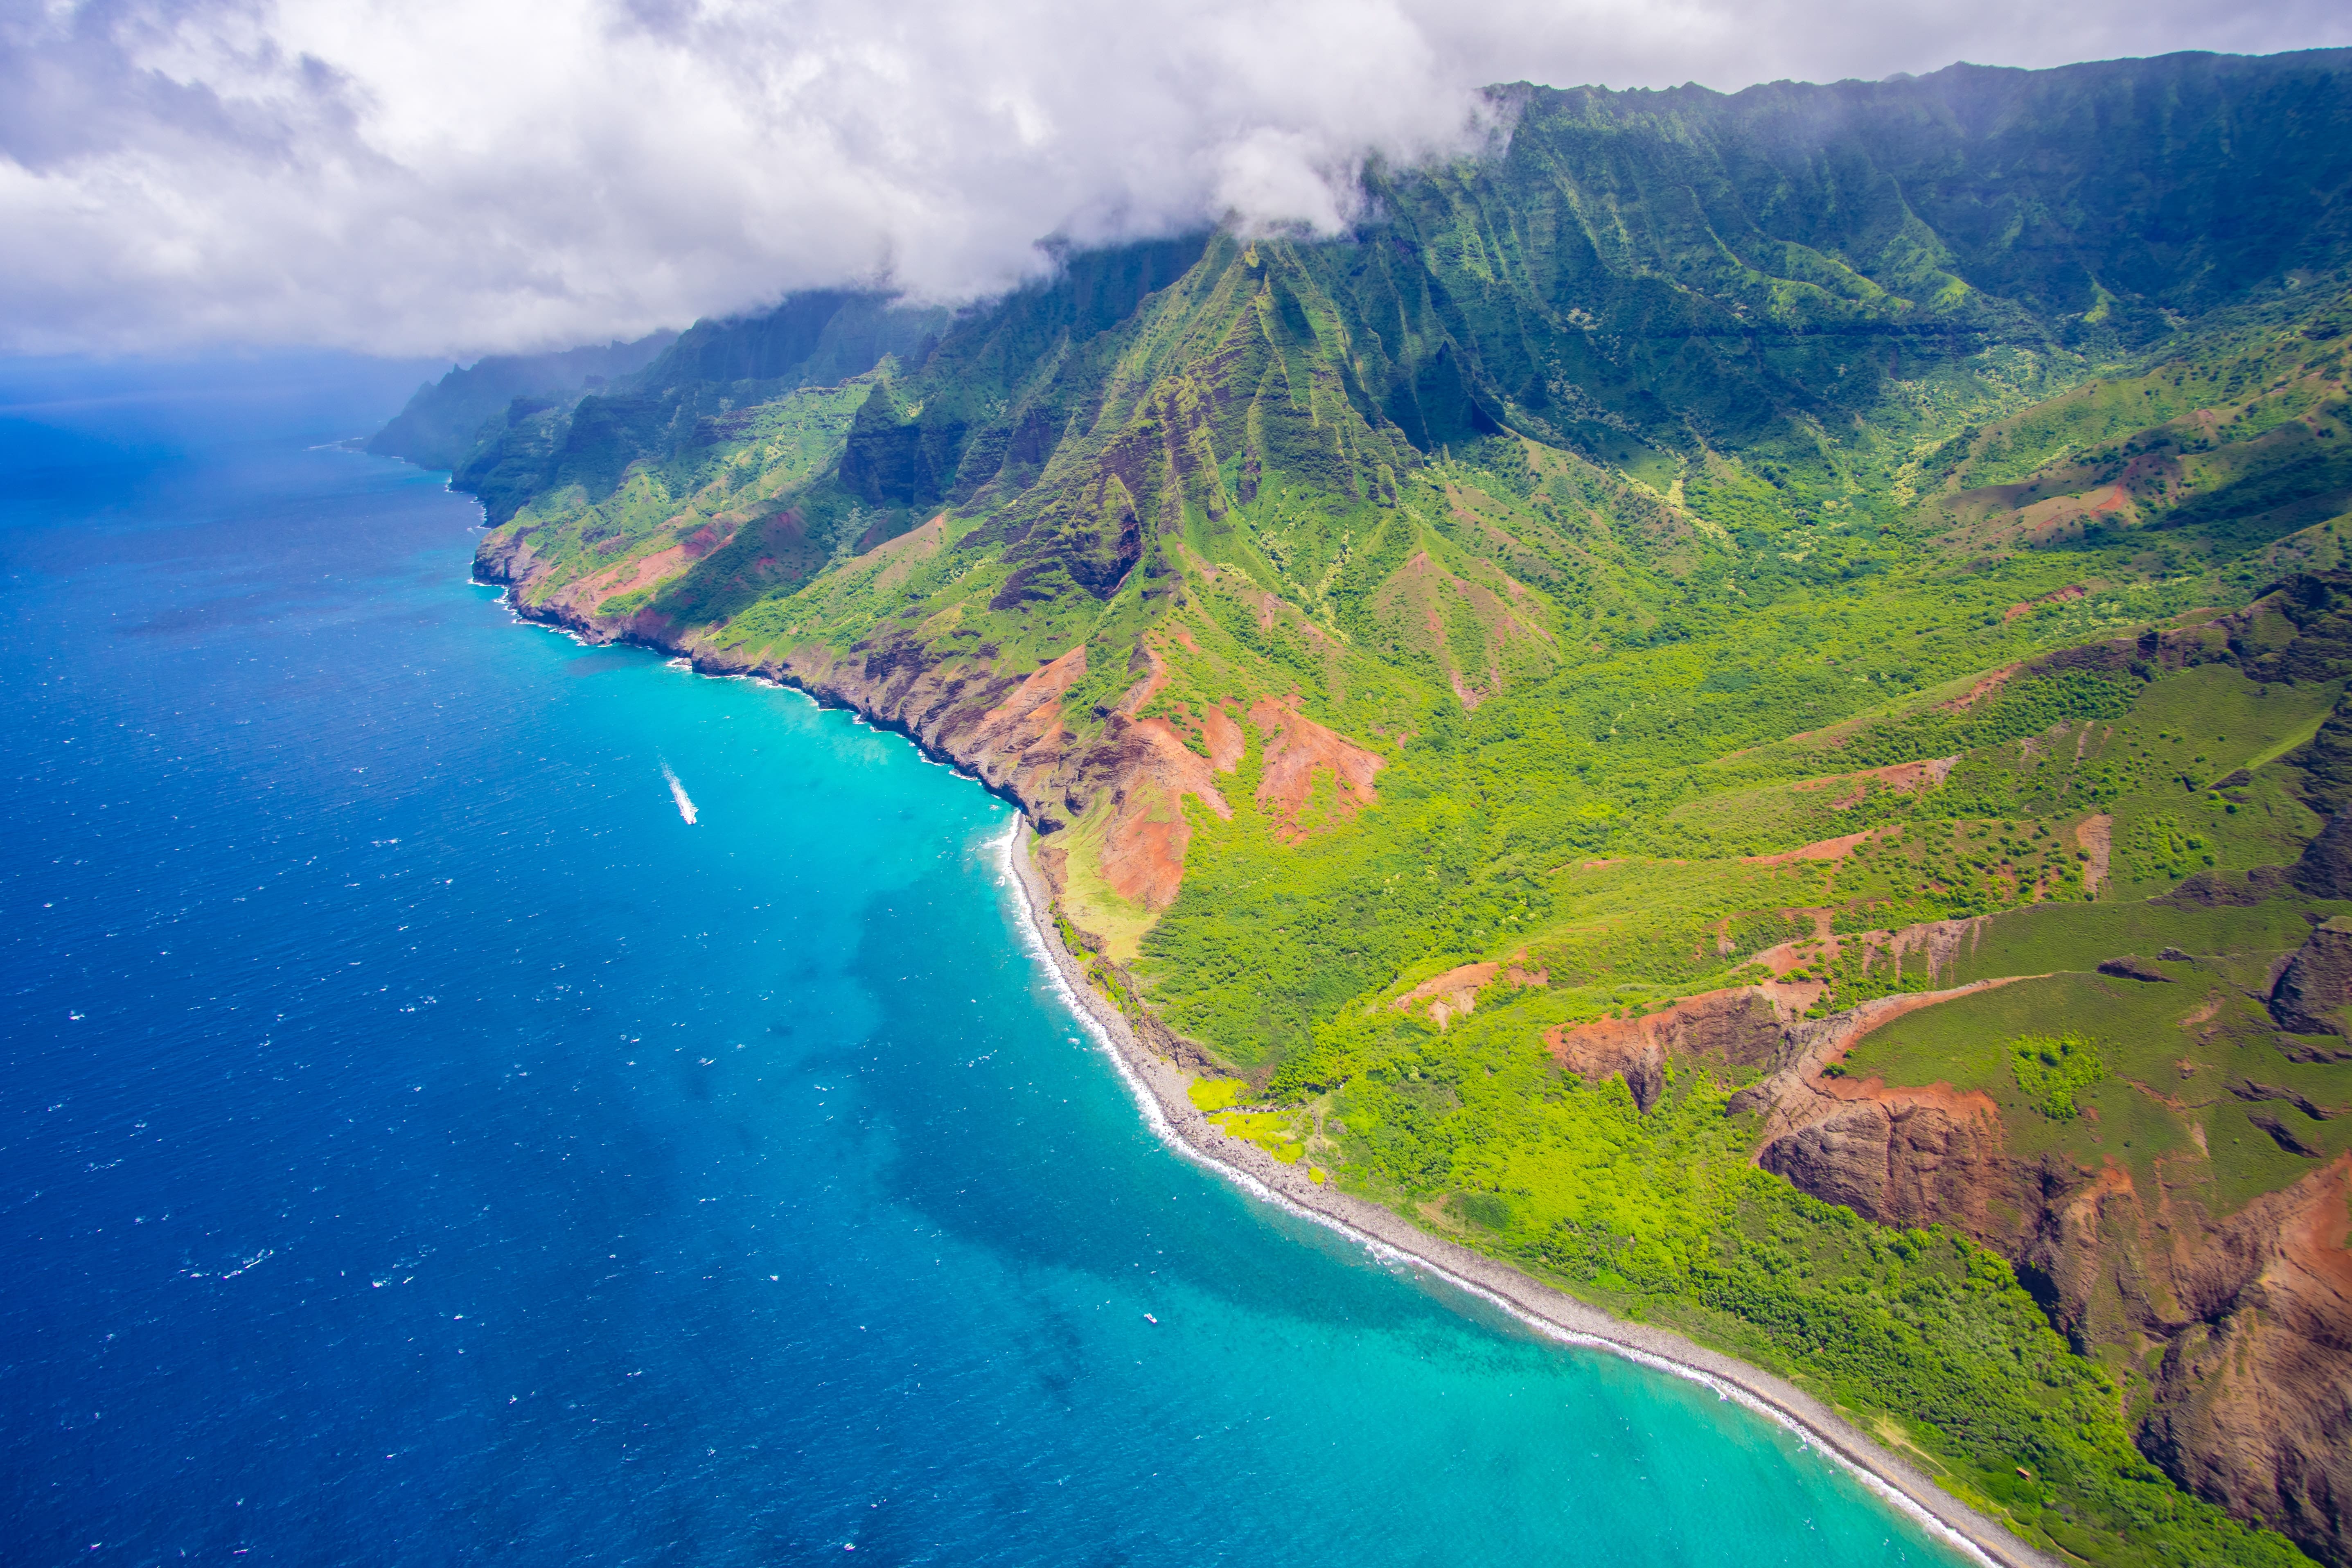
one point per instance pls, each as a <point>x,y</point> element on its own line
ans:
<point>678,793</point>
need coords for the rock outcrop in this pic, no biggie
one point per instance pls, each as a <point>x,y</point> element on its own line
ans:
<point>1909,1158</point>
<point>2254,1405</point>
<point>2227,889</point>
<point>1742,1027</point>
<point>2317,982</point>
<point>2325,869</point>
<point>2252,1315</point>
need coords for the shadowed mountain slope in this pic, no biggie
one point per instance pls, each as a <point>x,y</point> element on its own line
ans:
<point>445,418</point>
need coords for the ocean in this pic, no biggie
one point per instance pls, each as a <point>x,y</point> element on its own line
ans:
<point>423,1144</point>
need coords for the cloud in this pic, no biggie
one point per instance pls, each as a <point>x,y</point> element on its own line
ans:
<point>463,176</point>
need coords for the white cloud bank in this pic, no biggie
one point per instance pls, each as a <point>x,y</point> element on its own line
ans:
<point>440,175</point>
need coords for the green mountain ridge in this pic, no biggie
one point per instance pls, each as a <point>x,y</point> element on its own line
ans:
<point>445,418</point>
<point>1561,702</point>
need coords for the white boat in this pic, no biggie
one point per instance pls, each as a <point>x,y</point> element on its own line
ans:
<point>678,793</point>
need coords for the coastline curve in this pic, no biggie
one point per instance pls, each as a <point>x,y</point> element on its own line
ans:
<point>1160,1090</point>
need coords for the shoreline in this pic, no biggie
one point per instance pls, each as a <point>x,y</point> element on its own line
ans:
<point>1159,1089</point>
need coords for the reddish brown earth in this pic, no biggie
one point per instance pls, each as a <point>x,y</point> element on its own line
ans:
<point>1741,1026</point>
<point>585,595</point>
<point>2252,1313</point>
<point>1296,749</point>
<point>1908,778</point>
<point>1836,848</point>
<point>2024,512</point>
<point>1960,1105</point>
<point>2097,836</point>
<point>2066,596</point>
<point>1225,741</point>
<point>1451,994</point>
<point>1455,994</point>
<point>1985,686</point>
<point>2045,519</point>
<point>1143,851</point>
<point>1025,728</point>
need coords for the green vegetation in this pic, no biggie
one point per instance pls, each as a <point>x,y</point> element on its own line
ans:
<point>1917,1333</point>
<point>1792,540</point>
<point>1215,1093</point>
<point>2053,1069</point>
<point>1273,1131</point>
<point>2163,1111</point>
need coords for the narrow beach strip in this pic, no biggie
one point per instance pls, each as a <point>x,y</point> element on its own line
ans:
<point>1160,1089</point>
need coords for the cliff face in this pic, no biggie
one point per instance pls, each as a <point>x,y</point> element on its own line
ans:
<point>1739,1028</point>
<point>1903,1156</point>
<point>2254,1405</point>
<point>2247,1316</point>
<point>2250,1316</point>
<point>1007,731</point>
<point>2317,982</point>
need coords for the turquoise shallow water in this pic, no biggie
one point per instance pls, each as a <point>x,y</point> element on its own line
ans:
<point>423,1146</point>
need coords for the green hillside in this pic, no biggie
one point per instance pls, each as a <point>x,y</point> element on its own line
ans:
<point>1507,684</point>
<point>447,418</point>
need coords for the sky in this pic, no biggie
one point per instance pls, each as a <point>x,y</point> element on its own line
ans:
<point>451,177</point>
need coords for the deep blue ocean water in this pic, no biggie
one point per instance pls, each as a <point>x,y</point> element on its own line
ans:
<point>421,1146</point>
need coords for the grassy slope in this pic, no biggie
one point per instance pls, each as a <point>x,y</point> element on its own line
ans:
<point>1618,492</point>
